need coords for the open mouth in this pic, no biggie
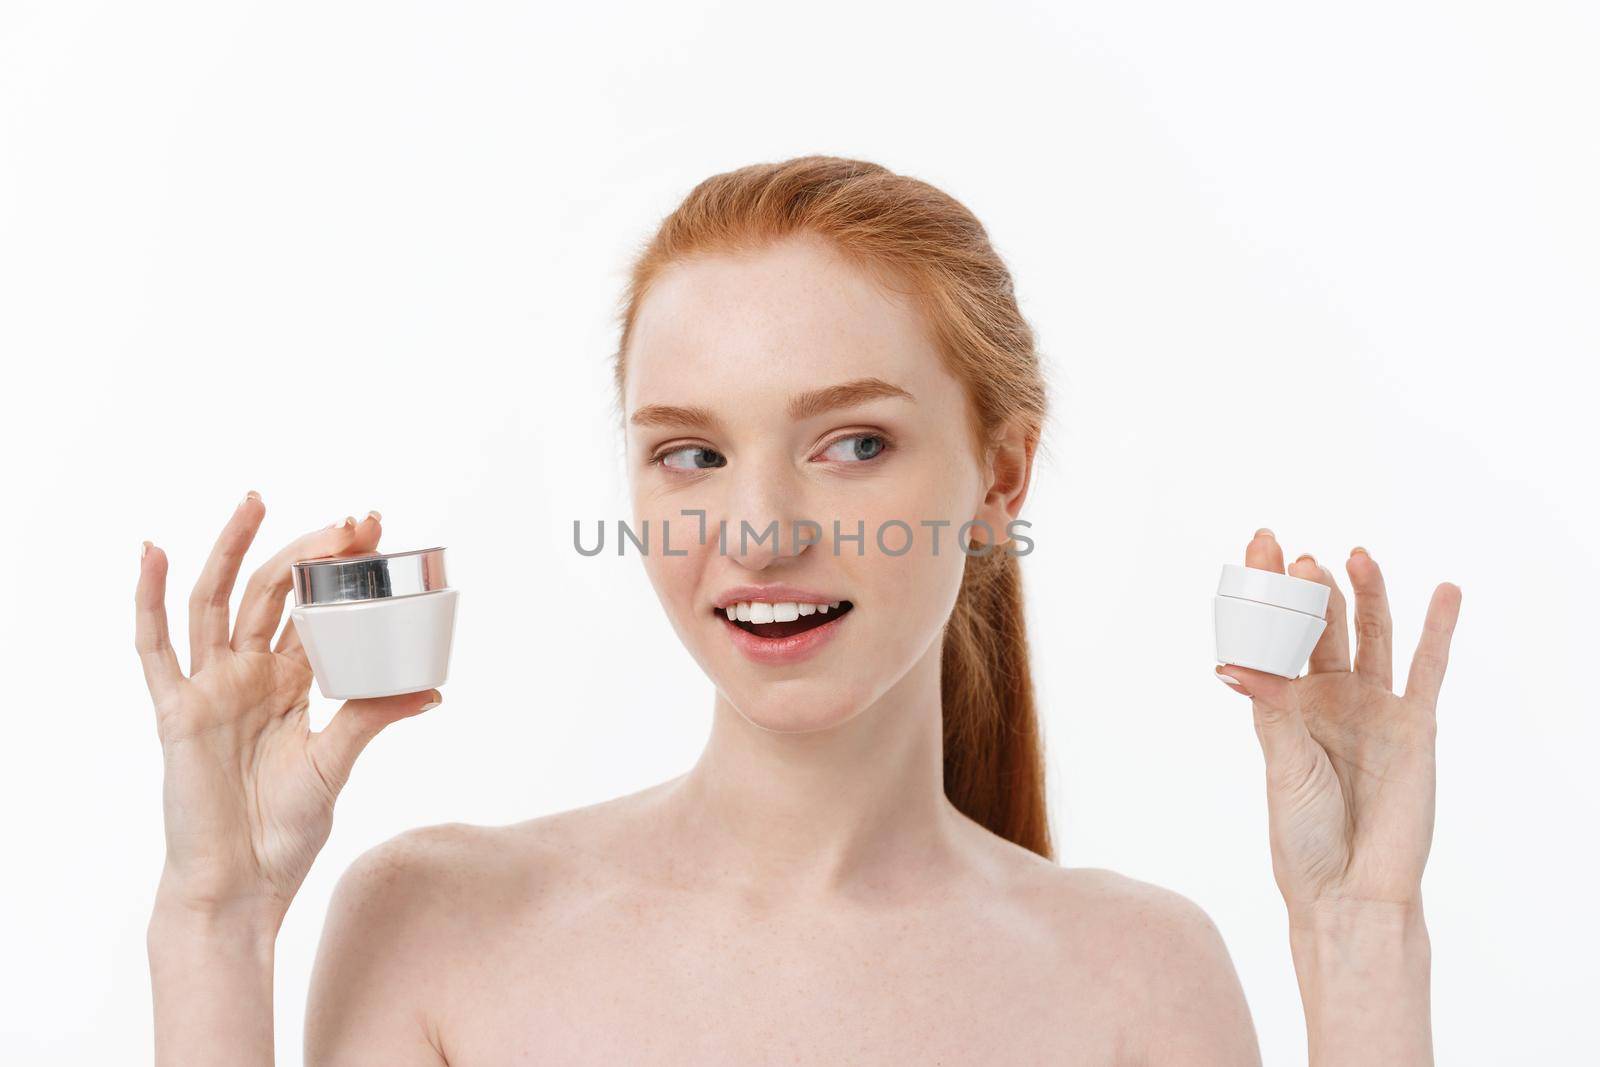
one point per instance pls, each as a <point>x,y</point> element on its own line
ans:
<point>786,619</point>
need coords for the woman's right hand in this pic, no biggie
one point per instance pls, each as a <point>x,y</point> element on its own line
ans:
<point>248,788</point>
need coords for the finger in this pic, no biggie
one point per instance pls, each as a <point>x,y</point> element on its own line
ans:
<point>1374,627</point>
<point>208,603</point>
<point>1433,649</point>
<point>1263,552</point>
<point>162,674</point>
<point>261,608</point>
<point>288,643</point>
<point>335,747</point>
<point>1333,647</point>
<point>1286,744</point>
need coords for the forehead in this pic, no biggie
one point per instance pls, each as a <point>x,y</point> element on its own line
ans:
<point>750,329</point>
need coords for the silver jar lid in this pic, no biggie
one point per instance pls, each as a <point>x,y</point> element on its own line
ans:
<point>340,579</point>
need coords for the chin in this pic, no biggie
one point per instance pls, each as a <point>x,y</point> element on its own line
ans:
<point>788,709</point>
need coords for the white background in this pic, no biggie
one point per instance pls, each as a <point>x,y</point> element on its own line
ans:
<point>1328,269</point>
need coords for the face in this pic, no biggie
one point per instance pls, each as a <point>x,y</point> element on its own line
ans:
<point>781,388</point>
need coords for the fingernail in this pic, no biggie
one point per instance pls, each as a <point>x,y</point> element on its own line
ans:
<point>1229,680</point>
<point>374,515</point>
<point>251,495</point>
<point>1361,550</point>
<point>430,705</point>
<point>1264,531</point>
<point>144,550</point>
<point>1307,555</point>
<point>347,522</point>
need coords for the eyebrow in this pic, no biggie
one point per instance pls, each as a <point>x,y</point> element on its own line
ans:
<point>844,395</point>
<point>803,406</point>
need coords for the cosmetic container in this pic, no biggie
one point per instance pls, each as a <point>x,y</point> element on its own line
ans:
<point>1268,621</point>
<point>377,624</point>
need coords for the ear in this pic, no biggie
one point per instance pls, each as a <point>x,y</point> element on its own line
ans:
<point>1008,470</point>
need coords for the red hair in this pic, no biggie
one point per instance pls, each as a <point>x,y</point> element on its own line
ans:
<point>903,228</point>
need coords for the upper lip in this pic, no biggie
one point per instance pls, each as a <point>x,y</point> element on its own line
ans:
<point>773,594</point>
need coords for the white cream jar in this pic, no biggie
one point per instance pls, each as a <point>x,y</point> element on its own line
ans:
<point>1268,621</point>
<point>377,624</point>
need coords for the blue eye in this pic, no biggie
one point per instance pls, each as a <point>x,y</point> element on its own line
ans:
<point>697,458</point>
<point>857,448</point>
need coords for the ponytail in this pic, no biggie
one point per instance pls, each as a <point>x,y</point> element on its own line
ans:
<point>993,756</point>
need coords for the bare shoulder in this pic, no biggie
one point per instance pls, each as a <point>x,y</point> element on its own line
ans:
<point>424,870</point>
<point>1161,957</point>
<point>1137,916</point>
<point>419,914</point>
<point>431,865</point>
<point>464,875</point>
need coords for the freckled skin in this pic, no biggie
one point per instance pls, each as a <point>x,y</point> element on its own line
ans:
<point>805,894</point>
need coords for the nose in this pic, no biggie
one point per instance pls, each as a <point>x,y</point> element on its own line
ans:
<point>764,510</point>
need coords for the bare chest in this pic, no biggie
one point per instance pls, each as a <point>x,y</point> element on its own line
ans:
<point>658,986</point>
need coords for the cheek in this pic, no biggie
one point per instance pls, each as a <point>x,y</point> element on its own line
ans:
<point>675,578</point>
<point>909,594</point>
<point>941,487</point>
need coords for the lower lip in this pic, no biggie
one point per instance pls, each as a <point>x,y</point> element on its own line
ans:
<point>792,649</point>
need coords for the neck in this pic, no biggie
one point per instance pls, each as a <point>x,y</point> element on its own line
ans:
<point>853,806</point>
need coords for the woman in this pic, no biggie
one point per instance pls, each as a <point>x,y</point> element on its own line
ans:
<point>858,867</point>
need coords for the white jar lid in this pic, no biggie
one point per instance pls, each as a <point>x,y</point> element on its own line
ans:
<point>1272,587</point>
<point>369,576</point>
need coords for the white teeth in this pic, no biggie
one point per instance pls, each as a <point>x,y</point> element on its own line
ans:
<point>775,611</point>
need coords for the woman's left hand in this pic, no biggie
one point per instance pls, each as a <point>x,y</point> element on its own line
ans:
<point>1350,764</point>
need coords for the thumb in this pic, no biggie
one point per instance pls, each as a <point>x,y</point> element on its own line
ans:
<point>335,747</point>
<point>1285,741</point>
